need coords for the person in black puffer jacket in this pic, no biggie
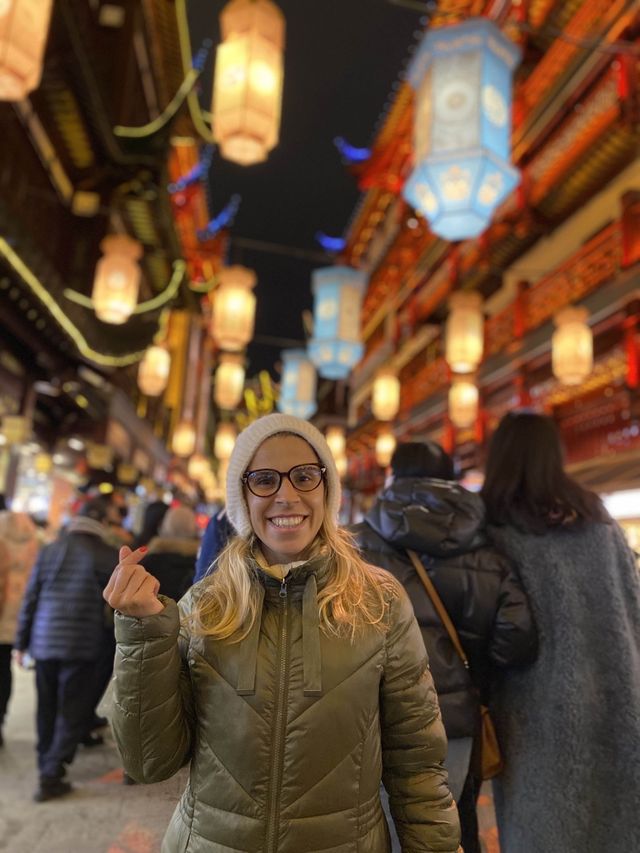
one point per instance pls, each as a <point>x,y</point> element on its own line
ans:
<point>425,510</point>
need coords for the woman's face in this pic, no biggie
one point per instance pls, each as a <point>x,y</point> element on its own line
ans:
<point>287,522</point>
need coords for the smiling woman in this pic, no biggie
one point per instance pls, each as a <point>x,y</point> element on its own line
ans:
<point>295,679</point>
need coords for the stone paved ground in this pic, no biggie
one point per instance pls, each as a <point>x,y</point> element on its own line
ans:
<point>102,815</point>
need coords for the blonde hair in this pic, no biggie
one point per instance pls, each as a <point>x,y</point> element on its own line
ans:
<point>355,594</point>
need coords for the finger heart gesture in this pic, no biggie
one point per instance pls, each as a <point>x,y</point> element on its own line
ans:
<point>131,589</point>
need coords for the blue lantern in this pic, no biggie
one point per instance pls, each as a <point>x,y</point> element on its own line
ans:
<point>298,384</point>
<point>462,127</point>
<point>335,347</point>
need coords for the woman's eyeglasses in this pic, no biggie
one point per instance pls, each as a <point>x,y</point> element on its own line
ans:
<point>265,482</point>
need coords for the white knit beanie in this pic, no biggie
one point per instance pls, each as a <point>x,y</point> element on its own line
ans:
<point>245,447</point>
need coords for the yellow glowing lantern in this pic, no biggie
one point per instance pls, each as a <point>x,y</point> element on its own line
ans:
<point>463,403</point>
<point>385,400</point>
<point>198,467</point>
<point>16,428</point>
<point>43,463</point>
<point>464,332</point>
<point>342,465</point>
<point>99,456</point>
<point>572,346</point>
<point>184,439</point>
<point>337,442</point>
<point>385,446</point>
<point>247,87</point>
<point>117,278</point>
<point>224,442</point>
<point>228,384</point>
<point>234,308</point>
<point>153,373</point>
<point>24,25</point>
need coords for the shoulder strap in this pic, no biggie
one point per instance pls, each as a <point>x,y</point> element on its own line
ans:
<point>439,606</point>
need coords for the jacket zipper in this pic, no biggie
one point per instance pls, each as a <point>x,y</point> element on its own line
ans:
<point>278,751</point>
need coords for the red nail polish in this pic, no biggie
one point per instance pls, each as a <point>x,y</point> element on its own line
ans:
<point>144,549</point>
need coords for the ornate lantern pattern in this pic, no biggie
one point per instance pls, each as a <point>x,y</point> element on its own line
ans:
<point>247,88</point>
<point>463,402</point>
<point>234,309</point>
<point>462,76</point>
<point>298,386</point>
<point>572,346</point>
<point>464,332</point>
<point>336,347</point>
<point>153,372</point>
<point>385,400</point>
<point>24,25</point>
<point>117,279</point>
<point>228,383</point>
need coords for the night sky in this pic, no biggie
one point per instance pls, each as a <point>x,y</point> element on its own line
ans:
<point>342,58</point>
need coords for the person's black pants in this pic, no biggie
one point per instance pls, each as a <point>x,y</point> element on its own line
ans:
<point>66,695</point>
<point>103,670</point>
<point>467,810</point>
<point>5,679</point>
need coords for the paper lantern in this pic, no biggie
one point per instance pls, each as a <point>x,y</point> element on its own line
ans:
<point>572,346</point>
<point>183,441</point>
<point>153,372</point>
<point>43,463</point>
<point>385,400</point>
<point>298,385</point>
<point>463,403</point>
<point>126,473</point>
<point>99,456</point>
<point>385,446</point>
<point>16,429</point>
<point>337,441</point>
<point>198,466</point>
<point>234,308</point>
<point>24,25</point>
<point>117,279</point>
<point>228,383</point>
<point>462,77</point>
<point>464,332</point>
<point>247,87</point>
<point>224,442</point>
<point>342,466</point>
<point>335,347</point>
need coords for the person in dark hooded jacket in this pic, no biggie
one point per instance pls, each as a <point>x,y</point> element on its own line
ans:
<point>423,509</point>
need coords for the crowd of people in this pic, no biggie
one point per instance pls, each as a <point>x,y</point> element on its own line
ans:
<point>330,687</point>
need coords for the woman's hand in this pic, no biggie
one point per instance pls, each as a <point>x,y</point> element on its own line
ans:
<point>131,589</point>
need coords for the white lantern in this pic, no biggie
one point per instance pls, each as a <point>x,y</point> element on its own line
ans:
<point>117,279</point>
<point>247,87</point>
<point>234,308</point>
<point>464,332</point>
<point>385,400</point>
<point>224,442</point>
<point>24,25</point>
<point>198,467</point>
<point>228,383</point>
<point>184,439</point>
<point>463,403</point>
<point>385,446</point>
<point>572,346</point>
<point>336,346</point>
<point>337,442</point>
<point>153,373</point>
<point>298,384</point>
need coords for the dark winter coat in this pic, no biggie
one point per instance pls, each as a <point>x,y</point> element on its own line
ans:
<point>569,725</point>
<point>63,613</point>
<point>172,563</point>
<point>214,538</point>
<point>288,731</point>
<point>444,524</point>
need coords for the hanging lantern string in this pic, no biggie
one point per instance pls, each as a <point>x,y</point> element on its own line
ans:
<point>185,90</point>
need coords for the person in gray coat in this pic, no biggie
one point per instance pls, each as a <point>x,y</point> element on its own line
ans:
<point>568,725</point>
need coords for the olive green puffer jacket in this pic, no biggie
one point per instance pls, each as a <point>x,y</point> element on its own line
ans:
<point>289,731</point>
